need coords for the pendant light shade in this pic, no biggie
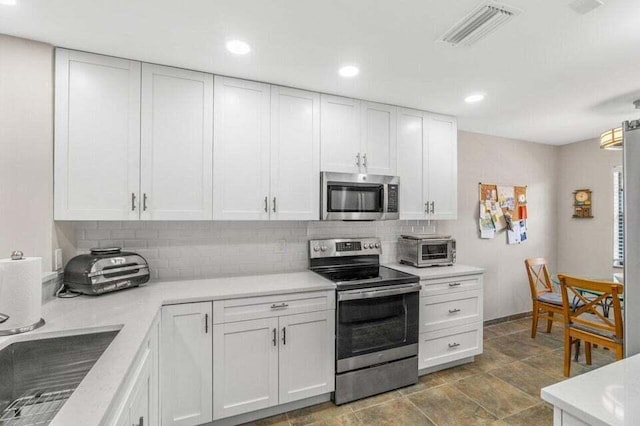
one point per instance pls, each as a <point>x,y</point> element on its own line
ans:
<point>611,139</point>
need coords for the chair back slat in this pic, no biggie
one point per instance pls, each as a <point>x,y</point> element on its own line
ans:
<point>573,288</point>
<point>538,274</point>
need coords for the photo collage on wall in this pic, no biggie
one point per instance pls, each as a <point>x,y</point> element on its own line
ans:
<point>503,208</point>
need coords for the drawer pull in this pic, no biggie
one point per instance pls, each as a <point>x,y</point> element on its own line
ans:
<point>454,311</point>
<point>454,345</point>
<point>279,306</point>
<point>454,284</point>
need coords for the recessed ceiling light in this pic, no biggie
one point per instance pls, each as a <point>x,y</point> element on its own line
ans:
<point>471,99</point>
<point>349,71</point>
<point>8,2</point>
<point>237,47</point>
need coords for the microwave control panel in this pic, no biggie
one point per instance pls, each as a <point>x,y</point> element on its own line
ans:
<point>392,202</point>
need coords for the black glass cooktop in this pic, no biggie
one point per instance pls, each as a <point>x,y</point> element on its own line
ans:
<point>347,278</point>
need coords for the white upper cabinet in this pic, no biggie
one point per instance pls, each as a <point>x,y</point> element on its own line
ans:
<point>186,379</point>
<point>97,137</point>
<point>241,150</point>
<point>307,355</point>
<point>357,136</point>
<point>411,126</point>
<point>427,165</point>
<point>340,135</point>
<point>295,154</point>
<point>378,144</point>
<point>442,166</point>
<point>176,144</point>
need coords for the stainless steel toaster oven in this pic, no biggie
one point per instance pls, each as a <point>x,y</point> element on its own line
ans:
<point>423,250</point>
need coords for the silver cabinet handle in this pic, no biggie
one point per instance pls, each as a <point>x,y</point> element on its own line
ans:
<point>140,422</point>
<point>454,311</point>
<point>426,207</point>
<point>433,207</point>
<point>284,335</point>
<point>274,204</point>
<point>266,204</point>
<point>454,345</point>
<point>274,340</point>
<point>206,323</point>
<point>133,201</point>
<point>358,158</point>
<point>3,317</point>
<point>454,284</point>
<point>144,202</point>
<point>279,306</point>
<point>364,160</point>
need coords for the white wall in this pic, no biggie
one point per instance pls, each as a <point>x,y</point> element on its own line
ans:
<point>26,148</point>
<point>491,159</point>
<point>585,246</point>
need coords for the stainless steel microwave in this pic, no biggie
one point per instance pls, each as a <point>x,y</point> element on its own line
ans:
<point>423,250</point>
<point>353,196</point>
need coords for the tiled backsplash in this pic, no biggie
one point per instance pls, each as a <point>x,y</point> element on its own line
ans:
<point>210,249</point>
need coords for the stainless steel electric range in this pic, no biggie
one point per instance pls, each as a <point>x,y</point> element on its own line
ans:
<point>376,317</point>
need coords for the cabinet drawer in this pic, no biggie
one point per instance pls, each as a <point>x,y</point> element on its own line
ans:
<point>451,285</point>
<point>271,306</point>
<point>450,310</point>
<point>451,344</point>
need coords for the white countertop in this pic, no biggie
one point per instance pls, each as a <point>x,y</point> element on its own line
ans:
<point>132,312</point>
<point>434,272</point>
<point>609,395</point>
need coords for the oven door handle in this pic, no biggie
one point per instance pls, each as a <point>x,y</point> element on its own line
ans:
<point>384,291</point>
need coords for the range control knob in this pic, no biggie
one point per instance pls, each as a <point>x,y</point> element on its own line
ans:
<point>366,245</point>
<point>316,248</point>
<point>377,245</point>
<point>323,248</point>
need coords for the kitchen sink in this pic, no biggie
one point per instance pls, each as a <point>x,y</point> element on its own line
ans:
<point>38,376</point>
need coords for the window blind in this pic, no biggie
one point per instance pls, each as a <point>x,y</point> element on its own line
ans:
<point>618,217</point>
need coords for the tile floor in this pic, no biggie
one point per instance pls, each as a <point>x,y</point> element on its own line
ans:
<point>501,387</point>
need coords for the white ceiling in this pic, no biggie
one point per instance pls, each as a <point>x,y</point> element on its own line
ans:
<point>550,75</point>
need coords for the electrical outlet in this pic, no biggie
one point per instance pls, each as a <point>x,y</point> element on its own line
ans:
<point>281,246</point>
<point>57,259</point>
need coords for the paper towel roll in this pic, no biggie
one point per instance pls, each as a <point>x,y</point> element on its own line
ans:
<point>20,291</point>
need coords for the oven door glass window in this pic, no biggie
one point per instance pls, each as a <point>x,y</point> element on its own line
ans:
<point>353,199</point>
<point>376,324</point>
<point>435,251</point>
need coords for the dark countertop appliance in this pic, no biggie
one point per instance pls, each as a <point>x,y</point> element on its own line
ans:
<point>105,270</point>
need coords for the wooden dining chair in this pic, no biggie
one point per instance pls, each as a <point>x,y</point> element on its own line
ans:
<point>587,322</point>
<point>545,301</point>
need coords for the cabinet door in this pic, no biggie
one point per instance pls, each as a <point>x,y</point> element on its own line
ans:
<point>307,355</point>
<point>340,135</point>
<point>141,398</point>
<point>295,154</point>
<point>186,364</point>
<point>97,137</point>
<point>241,150</point>
<point>411,128</point>
<point>378,138</point>
<point>246,366</point>
<point>177,144</point>
<point>442,166</point>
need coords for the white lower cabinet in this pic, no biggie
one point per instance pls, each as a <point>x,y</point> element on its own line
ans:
<point>450,320</point>
<point>140,403</point>
<point>246,366</point>
<point>186,364</point>
<point>306,355</point>
<point>273,360</point>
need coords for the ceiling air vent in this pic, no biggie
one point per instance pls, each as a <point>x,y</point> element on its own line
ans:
<point>482,20</point>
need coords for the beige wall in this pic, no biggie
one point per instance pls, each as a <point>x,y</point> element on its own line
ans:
<point>26,148</point>
<point>585,246</point>
<point>491,159</point>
